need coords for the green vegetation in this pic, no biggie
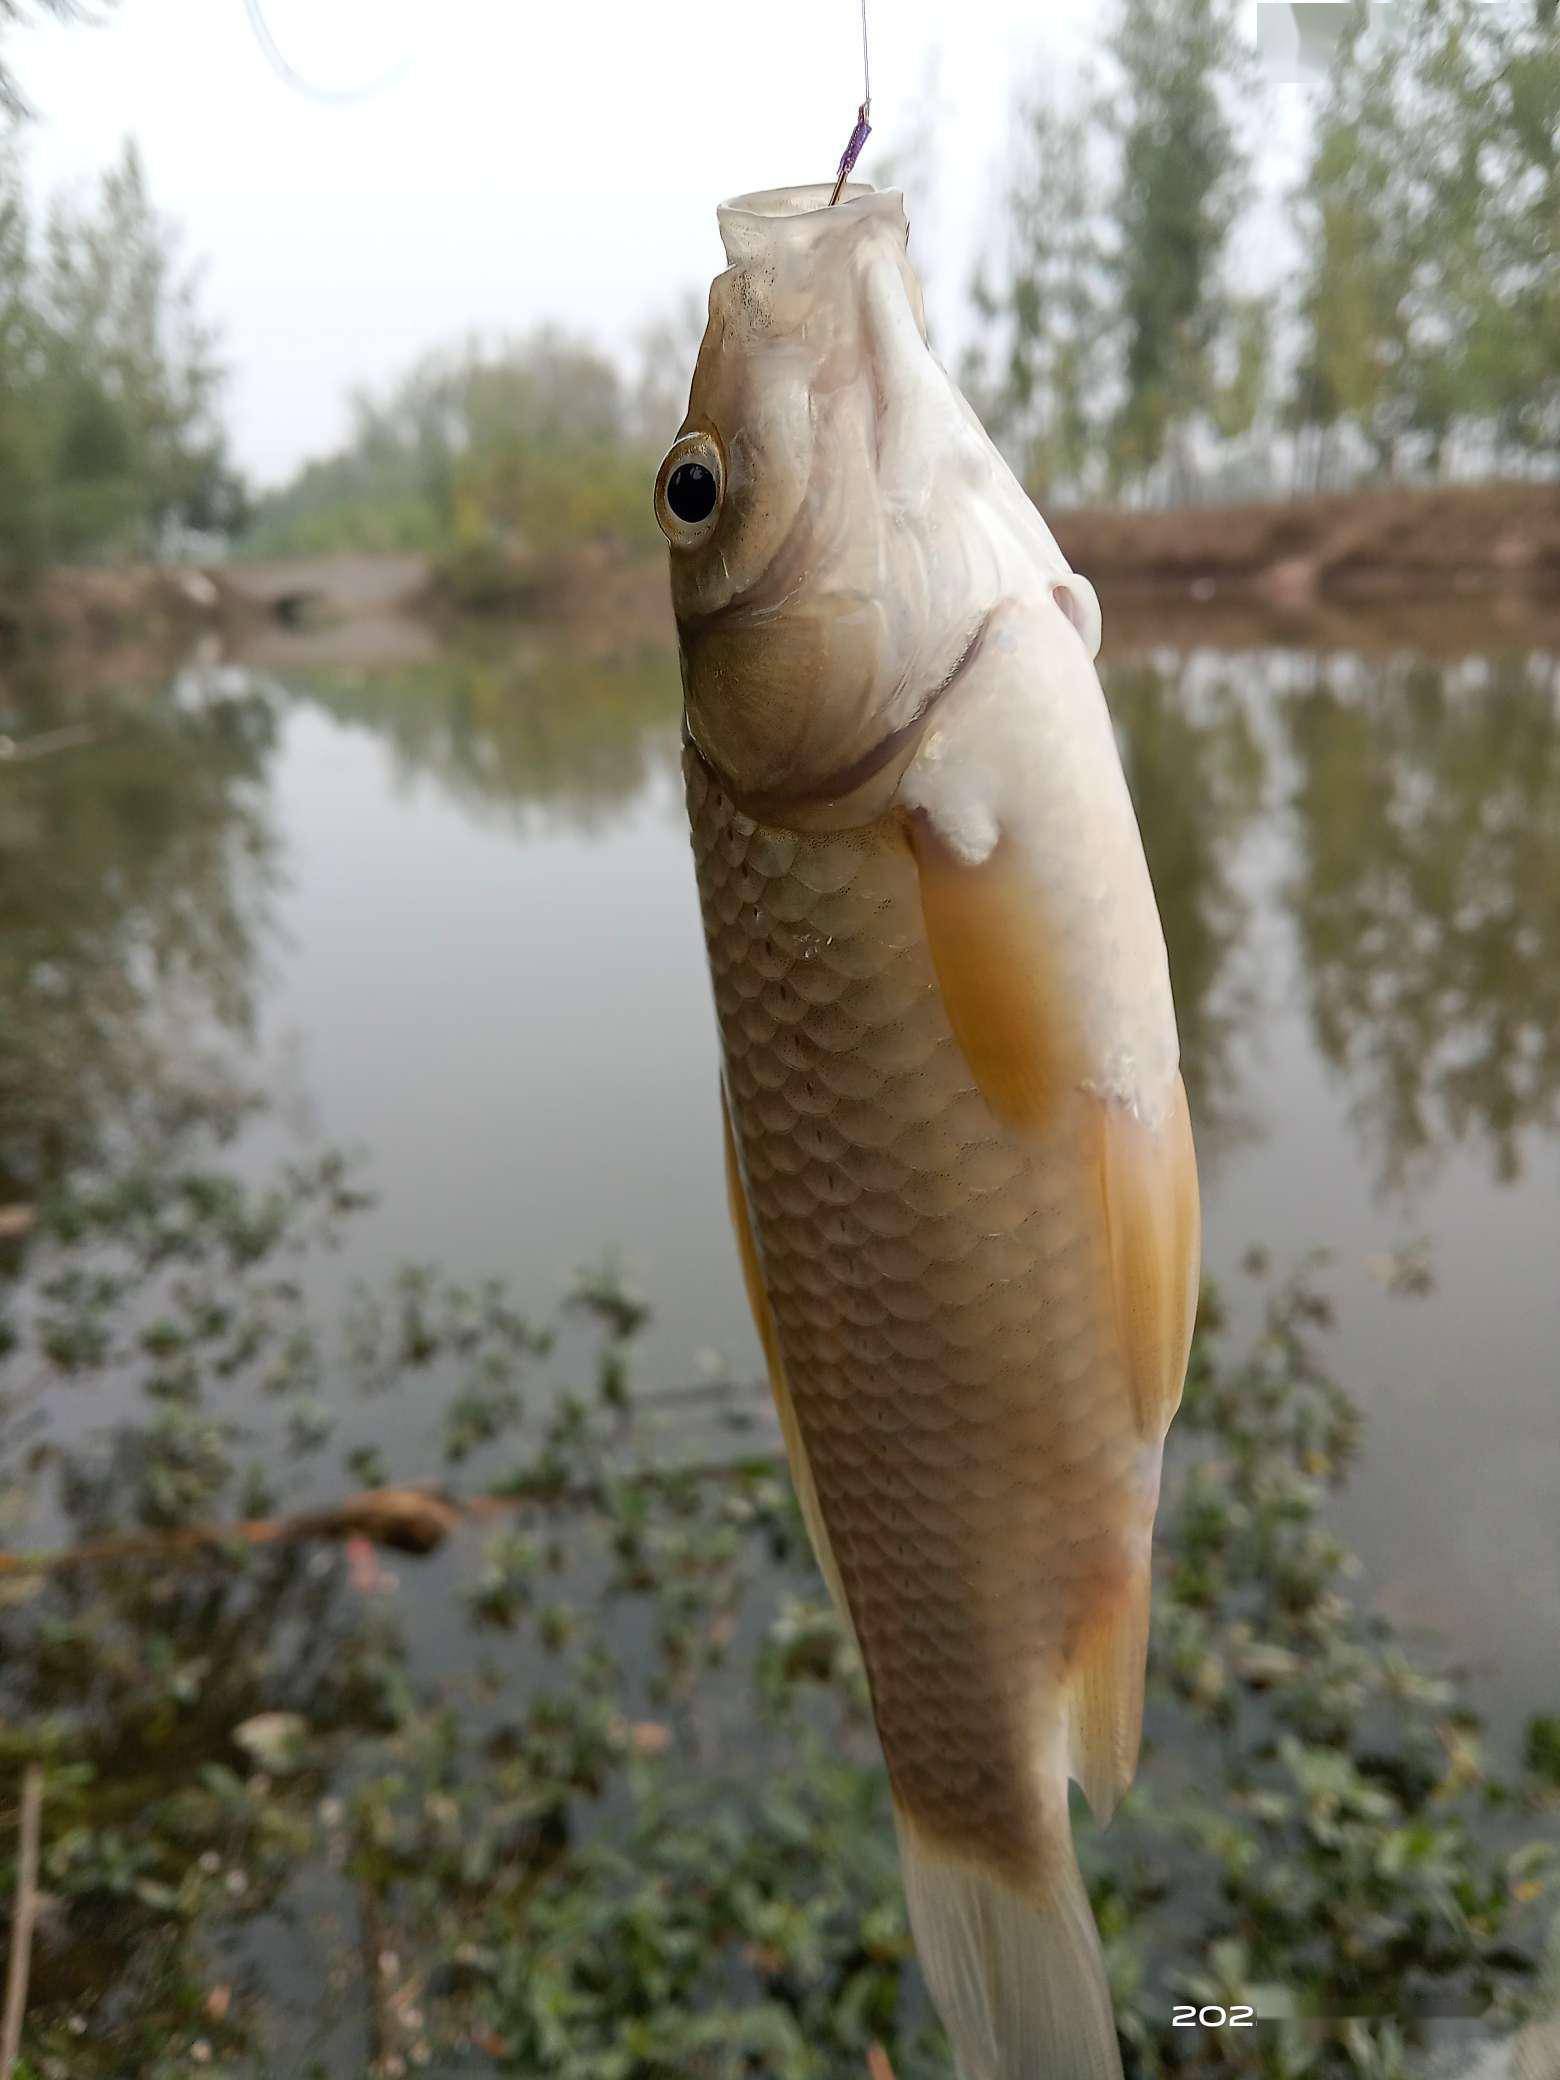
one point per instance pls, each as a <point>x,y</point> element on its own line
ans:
<point>109,440</point>
<point>494,461</point>
<point>629,1819</point>
<point>136,888</point>
<point>509,734</point>
<point>1422,336</point>
<point>1431,300</point>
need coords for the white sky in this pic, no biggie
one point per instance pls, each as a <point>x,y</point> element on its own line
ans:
<point>528,159</point>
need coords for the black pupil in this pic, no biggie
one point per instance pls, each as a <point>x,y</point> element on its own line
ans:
<point>690,492</point>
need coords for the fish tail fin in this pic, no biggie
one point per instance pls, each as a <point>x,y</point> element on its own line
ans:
<point>1016,1976</point>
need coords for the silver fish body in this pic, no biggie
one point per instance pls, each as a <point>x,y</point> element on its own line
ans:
<point>960,1166</point>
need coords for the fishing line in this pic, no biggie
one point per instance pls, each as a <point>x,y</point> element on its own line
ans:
<point>294,79</point>
<point>863,129</point>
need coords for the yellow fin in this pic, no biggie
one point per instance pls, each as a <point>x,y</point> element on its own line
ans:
<point>1148,1180</point>
<point>1016,1976</point>
<point>986,932</point>
<point>1105,1698</point>
<point>768,1336</point>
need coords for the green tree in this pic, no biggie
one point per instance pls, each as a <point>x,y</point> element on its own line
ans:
<point>492,455</point>
<point>1430,304</point>
<point>24,449</point>
<point>136,372</point>
<point>1044,356</point>
<point>1180,183</point>
<point>109,432</point>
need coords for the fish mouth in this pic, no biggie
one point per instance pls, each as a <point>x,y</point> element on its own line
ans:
<point>754,224</point>
<point>900,744</point>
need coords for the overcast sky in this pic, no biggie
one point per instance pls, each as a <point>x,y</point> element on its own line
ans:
<point>515,160</point>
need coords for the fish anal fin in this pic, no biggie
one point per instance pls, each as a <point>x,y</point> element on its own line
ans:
<point>993,952</point>
<point>769,1339</point>
<point>1105,1697</point>
<point>1148,1182</point>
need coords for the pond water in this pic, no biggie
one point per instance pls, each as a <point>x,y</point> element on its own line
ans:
<point>443,909</point>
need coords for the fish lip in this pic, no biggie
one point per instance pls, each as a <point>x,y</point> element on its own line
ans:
<point>808,202</point>
<point>764,803</point>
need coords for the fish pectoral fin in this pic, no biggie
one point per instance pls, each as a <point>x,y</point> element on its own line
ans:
<point>992,950</point>
<point>1153,1225</point>
<point>769,1339</point>
<point>1105,1698</point>
<point>1153,1236</point>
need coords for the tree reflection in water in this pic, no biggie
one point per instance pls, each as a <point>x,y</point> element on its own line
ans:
<point>135,873</point>
<point>531,726</point>
<point>1197,773</point>
<point>1427,897</point>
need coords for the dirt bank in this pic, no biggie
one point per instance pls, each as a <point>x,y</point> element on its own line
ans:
<point>1354,546</point>
<point>1434,569</point>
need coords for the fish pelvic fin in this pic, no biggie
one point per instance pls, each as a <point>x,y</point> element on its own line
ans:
<point>1016,1975</point>
<point>1153,1226</point>
<point>769,1339</point>
<point>1105,1697</point>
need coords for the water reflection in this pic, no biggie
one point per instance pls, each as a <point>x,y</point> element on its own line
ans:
<point>135,865</point>
<point>1198,775</point>
<point>531,727</point>
<point>1427,898</point>
<point>1417,801</point>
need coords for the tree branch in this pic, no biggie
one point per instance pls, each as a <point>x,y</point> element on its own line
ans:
<point>416,1518</point>
<point>24,1915</point>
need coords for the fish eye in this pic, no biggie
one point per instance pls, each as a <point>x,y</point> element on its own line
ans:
<point>688,490</point>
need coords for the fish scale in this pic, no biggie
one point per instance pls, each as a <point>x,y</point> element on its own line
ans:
<point>942,1310</point>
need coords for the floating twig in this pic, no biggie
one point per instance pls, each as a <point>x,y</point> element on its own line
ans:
<point>416,1518</point>
<point>23,1917</point>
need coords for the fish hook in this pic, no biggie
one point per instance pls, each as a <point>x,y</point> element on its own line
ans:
<point>863,129</point>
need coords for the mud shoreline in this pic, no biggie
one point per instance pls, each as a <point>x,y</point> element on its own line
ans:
<point>1434,569</point>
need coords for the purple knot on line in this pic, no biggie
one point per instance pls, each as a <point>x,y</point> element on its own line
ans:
<point>852,151</point>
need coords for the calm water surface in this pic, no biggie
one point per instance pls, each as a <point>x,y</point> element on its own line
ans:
<point>447,909</point>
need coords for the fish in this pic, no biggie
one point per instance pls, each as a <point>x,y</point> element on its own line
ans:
<point>958,1154</point>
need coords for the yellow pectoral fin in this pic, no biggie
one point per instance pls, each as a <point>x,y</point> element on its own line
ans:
<point>1153,1222</point>
<point>1149,1205</point>
<point>990,946</point>
<point>768,1336</point>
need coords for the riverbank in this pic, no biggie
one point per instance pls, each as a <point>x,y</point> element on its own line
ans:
<point>1362,568</point>
<point>1467,539</point>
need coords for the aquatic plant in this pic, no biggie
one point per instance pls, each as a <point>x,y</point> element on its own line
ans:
<point>591,1787</point>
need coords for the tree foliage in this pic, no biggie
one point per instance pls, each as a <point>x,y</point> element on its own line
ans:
<point>1111,338</point>
<point>109,435</point>
<point>1420,335</point>
<point>1430,304</point>
<point>1179,184</point>
<point>491,455</point>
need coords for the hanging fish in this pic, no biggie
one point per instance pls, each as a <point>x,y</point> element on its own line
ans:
<point>959,1159</point>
